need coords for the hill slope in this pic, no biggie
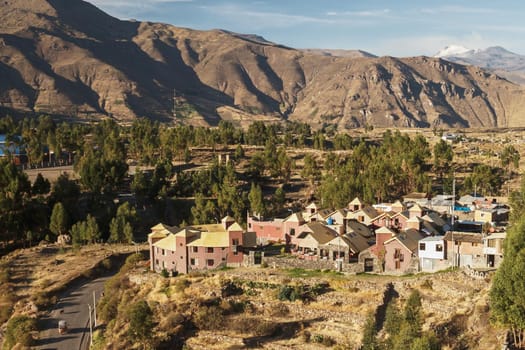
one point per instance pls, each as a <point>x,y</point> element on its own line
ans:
<point>68,57</point>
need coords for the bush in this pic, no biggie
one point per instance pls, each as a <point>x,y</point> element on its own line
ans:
<point>133,259</point>
<point>164,273</point>
<point>18,331</point>
<point>43,300</point>
<point>266,328</point>
<point>209,318</point>
<point>181,285</point>
<point>107,264</point>
<point>140,321</point>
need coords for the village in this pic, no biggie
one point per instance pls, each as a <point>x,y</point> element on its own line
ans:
<point>417,234</point>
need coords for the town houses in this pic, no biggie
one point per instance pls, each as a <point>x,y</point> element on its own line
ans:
<point>407,236</point>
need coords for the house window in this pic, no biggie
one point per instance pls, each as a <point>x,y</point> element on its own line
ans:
<point>192,262</point>
<point>163,252</point>
<point>209,250</point>
<point>249,225</point>
<point>474,244</point>
<point>210,262</point>
<point>292,232</point>
<point>491,243</point>
<point>180,244</point>
<point>422,246</point>
<point>361,218</point>
<point>235,241</point>
<point>439,247</point>
<point>157,262</point>
<point>195,249</point>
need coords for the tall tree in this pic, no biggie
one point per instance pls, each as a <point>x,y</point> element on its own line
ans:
<point>59,222</point>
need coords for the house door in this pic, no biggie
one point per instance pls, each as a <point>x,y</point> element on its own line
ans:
<point>490,260</point>
<point>369,265</point>
<point>257,258</point>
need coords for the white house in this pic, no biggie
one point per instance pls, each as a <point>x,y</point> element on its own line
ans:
<point>432,253</point>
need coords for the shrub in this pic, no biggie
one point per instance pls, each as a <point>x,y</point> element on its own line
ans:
<point>140,321</point>
<point>181,285</point>
<point>164,273</point>
<point>107,264</point>
<point>208,318</point>
<point>173,319</point>
<point>18,331</point>
<point>230,288</point>
<point>133,259</point>
<point>43,300</point>
<point>279,310</point>
<point>266,328</point>
<point>427,284</point>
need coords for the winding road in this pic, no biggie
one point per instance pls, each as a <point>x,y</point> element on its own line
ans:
<point>73,308</point>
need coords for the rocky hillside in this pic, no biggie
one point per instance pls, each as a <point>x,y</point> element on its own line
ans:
<point>66,57</point>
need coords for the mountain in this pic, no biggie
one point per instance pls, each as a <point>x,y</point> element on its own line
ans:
<point>454,51</point>
<point>67,57</point>
<point>496,59</point>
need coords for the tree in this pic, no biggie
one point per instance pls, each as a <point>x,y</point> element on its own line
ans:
<point>120,227</point>
<point>59,220</point>
<point>93,233</point>
<point>507,293</point>
<point>442,157</point>
<point>41,185</point>
<point>203,211</point>
<point>256,200</point>
<point>140,319</point>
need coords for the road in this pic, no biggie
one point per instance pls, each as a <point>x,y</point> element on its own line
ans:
<point>73,308</point>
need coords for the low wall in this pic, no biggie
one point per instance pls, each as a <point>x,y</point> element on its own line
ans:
<point>293,262</point>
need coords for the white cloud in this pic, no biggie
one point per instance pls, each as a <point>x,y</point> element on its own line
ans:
<point>257,19</point>
<point>459,10</point>
<point>372,13</point>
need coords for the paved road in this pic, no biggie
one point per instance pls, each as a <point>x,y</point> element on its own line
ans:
<point>72,307</point>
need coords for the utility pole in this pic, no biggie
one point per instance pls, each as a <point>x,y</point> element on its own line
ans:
<point>90,327</point>
<point>95,309</point>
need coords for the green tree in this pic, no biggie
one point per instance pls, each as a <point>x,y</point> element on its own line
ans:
<point>120,227</point>
<point>59,222</point>
<point>443,156</point>
<point>507,293</point>
<point>41,185</point>
<point>204,211</point>
<point>141,325</point>
<point>256,200</point>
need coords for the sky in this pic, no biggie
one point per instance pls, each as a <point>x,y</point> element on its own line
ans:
<point>382,27</point>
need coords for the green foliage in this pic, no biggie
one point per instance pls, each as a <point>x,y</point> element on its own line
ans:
<point>443,156</point>
<point>370,334</point>
<point>508,286</point>
<point>18,331</point>
<point>59,222</point>
<point>41,185</point>
<point>140,319</point>
<point>484,179</point>
<point>120,228</point>
<point>255,197</point>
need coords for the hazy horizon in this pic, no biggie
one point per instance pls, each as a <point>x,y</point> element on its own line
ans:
<point>408,28</point>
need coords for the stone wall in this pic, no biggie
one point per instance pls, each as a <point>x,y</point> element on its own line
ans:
<point>292,262</point>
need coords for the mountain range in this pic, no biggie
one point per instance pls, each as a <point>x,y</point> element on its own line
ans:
<point>495,59</point>
<point>68,58</point>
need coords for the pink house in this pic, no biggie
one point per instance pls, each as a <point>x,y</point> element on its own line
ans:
<point>200,247</point>
<point>276,230</point>
<point>401,252</point>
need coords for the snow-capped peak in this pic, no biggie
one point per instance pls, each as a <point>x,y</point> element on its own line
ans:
<point>453,50</point>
